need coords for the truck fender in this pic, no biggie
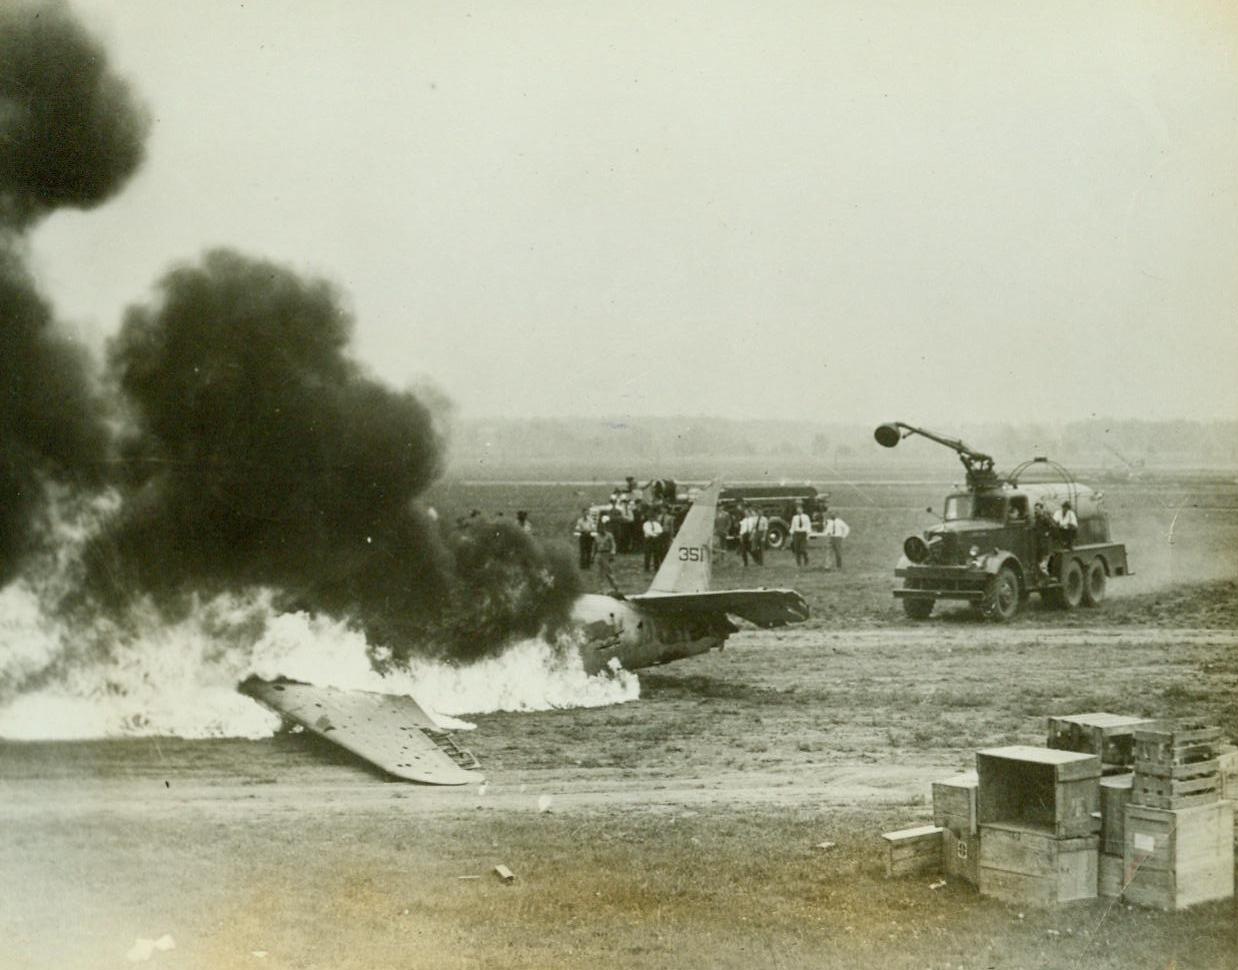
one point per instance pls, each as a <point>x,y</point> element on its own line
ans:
<point>999,558</point>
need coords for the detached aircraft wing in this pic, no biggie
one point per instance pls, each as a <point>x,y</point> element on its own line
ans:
<point>391,732</point>
<point>764,607</point>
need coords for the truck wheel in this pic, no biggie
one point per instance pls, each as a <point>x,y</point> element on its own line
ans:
<point>1072,585</point>
<point>1094,584</point>
<point>1003,596</point>
<point>918,607</point>
<point>776,537</point>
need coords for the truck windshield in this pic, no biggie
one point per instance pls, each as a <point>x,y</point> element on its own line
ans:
<point>958,507</point>
<point>975,507</point>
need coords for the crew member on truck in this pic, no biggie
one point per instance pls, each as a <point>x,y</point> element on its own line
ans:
<point>1068,524</point>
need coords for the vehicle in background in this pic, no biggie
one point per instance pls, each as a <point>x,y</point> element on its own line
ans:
<point>997,542</point>
<point>778,502</point>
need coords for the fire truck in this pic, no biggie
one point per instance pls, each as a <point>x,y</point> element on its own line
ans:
<point>998,543</point>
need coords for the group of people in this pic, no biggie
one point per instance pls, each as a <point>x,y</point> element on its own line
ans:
<point>833,529</point>
<point>753,534</point>
<point>475,517</point>
<point>598,538</point>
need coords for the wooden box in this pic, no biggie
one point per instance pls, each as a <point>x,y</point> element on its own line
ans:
<point>910,852</point>
<point>1227,766</point>
<point>1201,786</point>
<point>1110,875</point>
<point>1177,858</point>
<point>1110,736</point>
<point>954,803</point>
<point>1115,795</point>
<point>961,856</point>
<point>1170,743</point>
<point>1029,867</point>
<point>1039,788</point>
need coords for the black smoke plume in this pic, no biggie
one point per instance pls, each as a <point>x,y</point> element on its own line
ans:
<point>70,135</point>
<point>264,455</point>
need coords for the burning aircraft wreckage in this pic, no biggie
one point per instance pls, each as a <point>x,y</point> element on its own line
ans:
<point>678,617</point>
<point>232,470</point>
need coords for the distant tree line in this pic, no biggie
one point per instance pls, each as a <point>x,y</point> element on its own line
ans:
<point>1130,445</point>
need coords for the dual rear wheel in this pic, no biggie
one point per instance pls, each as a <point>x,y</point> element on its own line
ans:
<point>1083,584</point>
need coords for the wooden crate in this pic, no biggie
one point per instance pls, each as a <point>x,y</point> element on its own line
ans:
<point>1031,867</point>
<point>1115,795</point>
<point>1044,788</point>
<point>1177,858</point>
<point>961,856</point>
<point>1110,736</point>
<point>1110,875</point>
<point>954,803</point>
<point>910,852</point>
<point>1156,791</point>
<point>1169,743</point>
<point>1227,765</point>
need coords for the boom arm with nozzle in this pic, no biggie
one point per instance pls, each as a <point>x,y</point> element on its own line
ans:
<point>979,465</point>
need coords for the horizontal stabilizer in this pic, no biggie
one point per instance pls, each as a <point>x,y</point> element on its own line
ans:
<point>764,607</point>
<point>391,732</point>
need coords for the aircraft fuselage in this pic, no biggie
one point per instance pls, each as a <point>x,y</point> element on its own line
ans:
<point>612,628</point>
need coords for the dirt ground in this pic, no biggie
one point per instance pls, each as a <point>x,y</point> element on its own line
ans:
<point>681,830</point>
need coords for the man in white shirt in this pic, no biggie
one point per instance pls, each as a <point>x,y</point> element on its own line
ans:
<point>747,534</point>
<point>1067,523</point>
<point>801,525</point>
<point>584,529</point>
<point>652,530</point>
<point>835,531</point>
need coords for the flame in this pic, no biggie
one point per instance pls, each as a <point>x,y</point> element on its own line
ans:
<point>178,680</point>
<point>99,675</point>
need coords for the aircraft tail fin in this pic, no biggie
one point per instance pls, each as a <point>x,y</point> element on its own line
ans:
<point>687,566</point>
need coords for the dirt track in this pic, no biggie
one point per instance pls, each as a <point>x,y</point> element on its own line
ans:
<point>789,737</point>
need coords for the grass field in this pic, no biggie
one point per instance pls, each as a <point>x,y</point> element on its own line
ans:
<point>682,828</point>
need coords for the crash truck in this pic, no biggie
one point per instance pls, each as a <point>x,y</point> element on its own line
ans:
<point>997,542</point>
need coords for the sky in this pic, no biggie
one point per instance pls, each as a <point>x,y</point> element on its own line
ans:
<point>937,212</point>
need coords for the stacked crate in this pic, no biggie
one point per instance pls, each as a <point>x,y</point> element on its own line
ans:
<point>1115,794</point>
<point>1178,838</point>
<point>954,811</point>
<point>1111,737</point>
<point>1037,810</point>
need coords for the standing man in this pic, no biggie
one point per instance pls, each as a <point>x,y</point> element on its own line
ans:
<point>583,530</point>
<point>801,525</point>
<point>652,530</point>
<point>668,532</point>
<point>836,530</point>
<point>605,555</point>
<point>761,537</point>
<point>747,528</point>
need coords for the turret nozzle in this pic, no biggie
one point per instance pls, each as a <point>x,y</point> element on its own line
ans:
<point>887,435</point>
